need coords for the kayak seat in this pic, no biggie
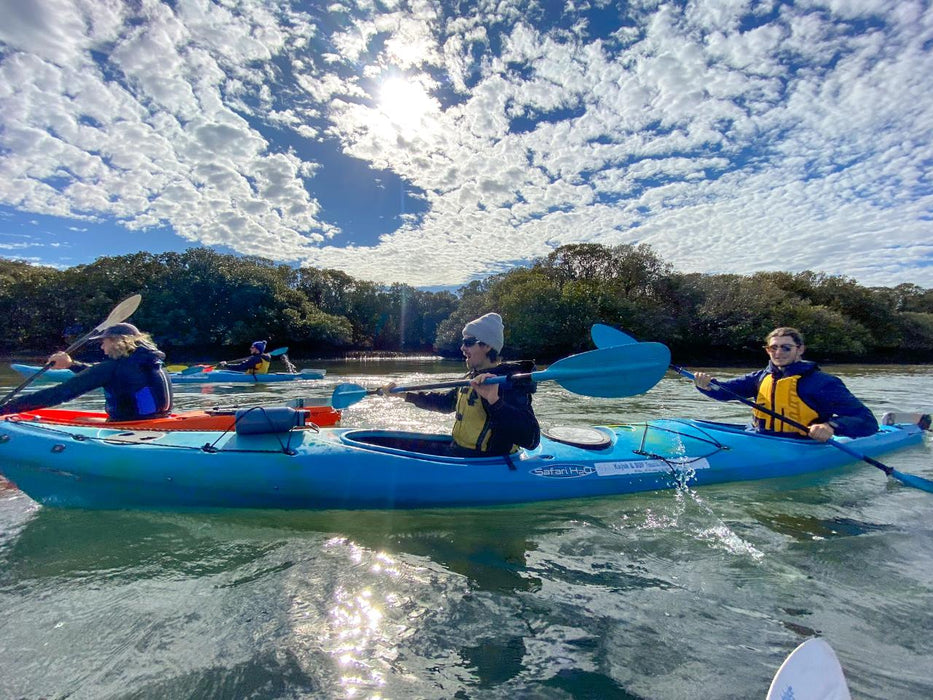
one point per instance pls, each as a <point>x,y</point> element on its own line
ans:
<point>585,438</point>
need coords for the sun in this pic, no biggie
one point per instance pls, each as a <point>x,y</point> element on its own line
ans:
<point>405,103</point>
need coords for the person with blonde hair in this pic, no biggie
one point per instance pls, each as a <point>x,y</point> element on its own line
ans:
<point>796,389</point>
<point>134,381</point>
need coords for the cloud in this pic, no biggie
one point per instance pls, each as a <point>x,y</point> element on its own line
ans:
<point>731,136</point>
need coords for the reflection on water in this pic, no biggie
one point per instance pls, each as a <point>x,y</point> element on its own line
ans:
<point>669,594</point>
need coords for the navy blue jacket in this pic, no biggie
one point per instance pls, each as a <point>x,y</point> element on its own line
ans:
<point>134,387</point>
<point>824,393</point>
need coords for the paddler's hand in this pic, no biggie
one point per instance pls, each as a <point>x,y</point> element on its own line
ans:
<point>702,380</point>
<point>490,392</point>
<point>821,432</point>
<point>60,360</point>
<point>386,390</point>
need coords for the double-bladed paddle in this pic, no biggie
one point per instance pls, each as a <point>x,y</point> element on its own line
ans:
<point>607,336</point>
<point>611,372</point>
<point>120,313</point>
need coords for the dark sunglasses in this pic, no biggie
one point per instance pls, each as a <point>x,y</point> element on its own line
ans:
<point>470,342</point>
<point>782,346</point>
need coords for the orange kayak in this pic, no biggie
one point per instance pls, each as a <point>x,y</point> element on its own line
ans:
<point>212,419</point>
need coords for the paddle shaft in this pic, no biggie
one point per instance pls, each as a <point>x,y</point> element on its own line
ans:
<point>605,372</point>
<point>499,379</point>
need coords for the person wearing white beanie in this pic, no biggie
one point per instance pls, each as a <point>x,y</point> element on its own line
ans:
<point>491,419</point>
<point>488,329</point>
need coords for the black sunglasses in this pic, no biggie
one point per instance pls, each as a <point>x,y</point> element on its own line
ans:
<point>782,346</point>
<point>470,342</point>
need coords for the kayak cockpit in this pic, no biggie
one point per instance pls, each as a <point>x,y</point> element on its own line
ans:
<point>431,445</point>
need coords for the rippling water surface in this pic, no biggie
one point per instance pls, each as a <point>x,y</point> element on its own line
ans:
<point>687,593</point>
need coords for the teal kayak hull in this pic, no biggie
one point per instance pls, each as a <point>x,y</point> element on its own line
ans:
<point>347,468</point>
<point>50,376</point>
<point>216,376</point>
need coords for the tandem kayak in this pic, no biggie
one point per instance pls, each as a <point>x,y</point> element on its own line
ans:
<point>351,468</point>
<point>210,419</point>
<point>212,376</point>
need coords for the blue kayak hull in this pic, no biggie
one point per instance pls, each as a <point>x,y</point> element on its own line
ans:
<point>49,376</point>
<point>217,376</point>
<point>226,376</point>
<point>91,467</point>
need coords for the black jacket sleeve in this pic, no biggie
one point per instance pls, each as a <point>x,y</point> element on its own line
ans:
<point>94,377</point>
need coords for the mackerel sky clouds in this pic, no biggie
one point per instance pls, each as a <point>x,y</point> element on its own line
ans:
<point>432,143</point>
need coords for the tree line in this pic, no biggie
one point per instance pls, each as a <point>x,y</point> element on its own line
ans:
<point>201,303</point>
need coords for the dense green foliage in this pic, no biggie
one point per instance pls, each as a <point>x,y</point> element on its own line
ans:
<point>201,301</point>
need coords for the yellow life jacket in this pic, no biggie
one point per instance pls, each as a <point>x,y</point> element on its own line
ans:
<point>471,426</point>
<point>263,366</point>
<point>781,397</point>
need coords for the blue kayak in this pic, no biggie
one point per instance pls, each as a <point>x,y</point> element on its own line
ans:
<point>227,376</point>
<point>215,376</point>
<point>271,462</point>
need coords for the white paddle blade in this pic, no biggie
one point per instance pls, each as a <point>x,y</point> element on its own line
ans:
<point>121,312</point>
<point>810,672</point>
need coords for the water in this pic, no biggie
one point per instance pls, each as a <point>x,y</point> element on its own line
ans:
<point>676,594</point>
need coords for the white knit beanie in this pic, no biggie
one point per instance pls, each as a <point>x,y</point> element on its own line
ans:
<point>487,329</point>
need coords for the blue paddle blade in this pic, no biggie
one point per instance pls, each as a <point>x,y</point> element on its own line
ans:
<point>622,370</point>
<point>278,351</point>
<point>347,394</point>
<point>918,482</point>
<point>606,336</point>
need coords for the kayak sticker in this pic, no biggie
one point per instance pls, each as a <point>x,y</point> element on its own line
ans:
<point>647,466</point>
<point>563,471</point>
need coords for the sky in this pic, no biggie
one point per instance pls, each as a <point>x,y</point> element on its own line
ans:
<point>439,142</point>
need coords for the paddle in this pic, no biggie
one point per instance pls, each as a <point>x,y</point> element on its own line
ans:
<point>197,369</point>
<point>810,672</point>
<point>610,372</point>
<point>120,313</point>
<point>607,336</point>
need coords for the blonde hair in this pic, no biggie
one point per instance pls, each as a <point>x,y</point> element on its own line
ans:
<point>124,345</point>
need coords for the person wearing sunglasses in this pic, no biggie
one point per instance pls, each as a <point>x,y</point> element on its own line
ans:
<point>491,419</point>
<point>798,389</point>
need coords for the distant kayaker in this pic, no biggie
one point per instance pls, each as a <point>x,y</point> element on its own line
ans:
<point>257,363</point>
<point>491,419</point>
<point>134,381</point>
<point>797,389</point>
